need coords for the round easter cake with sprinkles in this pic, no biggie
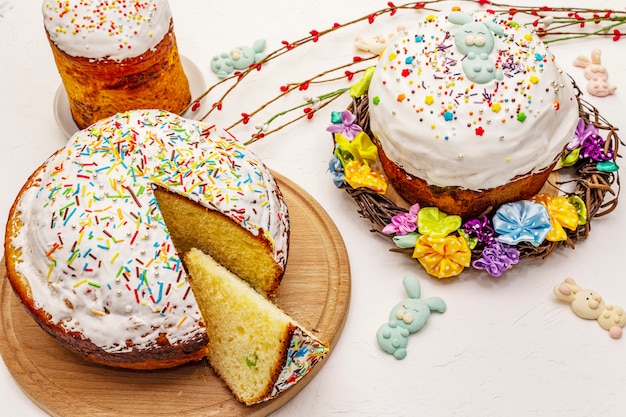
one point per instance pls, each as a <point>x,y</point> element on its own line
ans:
<point>469,112</point>
<point>469,147</point>
<point>93,238</point>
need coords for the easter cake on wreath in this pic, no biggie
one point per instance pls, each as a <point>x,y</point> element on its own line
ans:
<point>453,140</point>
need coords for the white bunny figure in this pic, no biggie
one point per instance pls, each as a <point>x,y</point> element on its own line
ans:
<point>596,74</point>
<point>408,316</point>
<point>589,305</point>
<point>375,43</point>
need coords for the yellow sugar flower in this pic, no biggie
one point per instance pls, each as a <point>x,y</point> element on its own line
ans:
<point>562,214</point>
<point>442,257</point>
<point>362,176</point>
<point>360,149</point>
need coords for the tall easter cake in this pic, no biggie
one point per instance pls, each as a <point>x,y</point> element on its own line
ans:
<point>95,237</point>
<point>116,56</point>
<point>469,112</point>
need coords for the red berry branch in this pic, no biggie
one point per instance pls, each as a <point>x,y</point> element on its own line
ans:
<point>552,24</point>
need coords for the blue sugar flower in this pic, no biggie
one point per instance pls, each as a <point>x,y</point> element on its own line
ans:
<point>336,171</point>
<point>522,221</point>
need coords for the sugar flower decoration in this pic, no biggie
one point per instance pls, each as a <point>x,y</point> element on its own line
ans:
<point>587,144</point>
<point>562,214</point>
<point>581,208</point>
<point>360,149</point>
<point>407,241</point>
<point>344,123</point>
<point>442,257</point>
<point>362,176</point>
<point>361,87</point>
<point>480,229</point>
<point>571,158</point>
<point>582,132</point>
<point>336,171</point>
<point>497,258</point>
<point>435,223</point>
<point>403,223</point>
<point>593,148</point>
<point>522,221</point>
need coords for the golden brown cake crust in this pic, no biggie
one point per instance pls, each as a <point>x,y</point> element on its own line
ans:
<point>101,88</point>
<point>458,201</point>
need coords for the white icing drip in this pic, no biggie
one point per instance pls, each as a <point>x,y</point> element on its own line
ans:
<point>443,152</point>
<point>117,29</point>
<point>94,236</point>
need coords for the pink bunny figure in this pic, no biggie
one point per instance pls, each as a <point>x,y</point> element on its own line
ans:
<point>589,305</point>
<point>596,74</point>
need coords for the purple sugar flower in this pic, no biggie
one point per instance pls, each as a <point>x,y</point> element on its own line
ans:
<point>592,148</point>
<point>344,124</point>
<point>497,258</point>
<point>582,132</point>
<point>481,229</point>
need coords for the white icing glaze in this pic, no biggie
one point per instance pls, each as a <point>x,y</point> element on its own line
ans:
<point>93,234</point>
<point>114,29</point>
<point>479,148</point>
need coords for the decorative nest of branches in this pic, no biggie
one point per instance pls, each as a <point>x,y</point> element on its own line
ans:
<point>598,189</point>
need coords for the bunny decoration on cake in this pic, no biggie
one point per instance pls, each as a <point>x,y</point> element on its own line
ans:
<point>408,316</point>
<point>476,41</point>
<point>596,74</point>
<point>589,305</point>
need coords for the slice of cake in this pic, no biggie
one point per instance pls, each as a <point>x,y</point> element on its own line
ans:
<point>257,349</point>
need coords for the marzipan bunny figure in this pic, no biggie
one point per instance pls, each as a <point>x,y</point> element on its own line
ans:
<point>408,316</point>
<point>588,305</point>
<point>476,41</point>
<point>374,43</point>
<point>238,58</point>
<point>596,74</point>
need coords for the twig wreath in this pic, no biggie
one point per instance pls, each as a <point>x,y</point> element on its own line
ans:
<point>593,184</point>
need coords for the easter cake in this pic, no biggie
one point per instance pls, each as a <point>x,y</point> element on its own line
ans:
<point>95,238</point>
<point>456,139</point>
<point>116,56</point>
<point>469,113</point>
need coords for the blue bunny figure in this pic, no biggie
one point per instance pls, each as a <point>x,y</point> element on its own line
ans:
<point>240,58</point>
<point>476,41</point>
<point>408,316</point>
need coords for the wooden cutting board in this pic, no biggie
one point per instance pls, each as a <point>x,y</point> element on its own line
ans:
<point>315,291</point>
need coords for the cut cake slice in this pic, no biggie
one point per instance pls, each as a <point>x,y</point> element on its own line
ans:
<point>254,347</point>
